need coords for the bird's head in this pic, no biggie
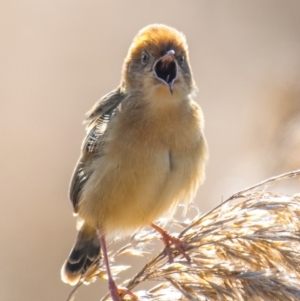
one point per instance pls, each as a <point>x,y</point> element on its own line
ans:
<point>158,62</point>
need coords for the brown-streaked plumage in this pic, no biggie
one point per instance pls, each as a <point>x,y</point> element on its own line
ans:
<point>144,150</point>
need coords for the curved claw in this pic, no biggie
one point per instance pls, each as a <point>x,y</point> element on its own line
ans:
<point>168,240</point>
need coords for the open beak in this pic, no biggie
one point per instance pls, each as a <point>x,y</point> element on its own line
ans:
<point>165,69</point>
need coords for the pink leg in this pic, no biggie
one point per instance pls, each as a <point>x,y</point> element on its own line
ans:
<point>113,289</point>
<point>111,283</point>
<point>168,240</point>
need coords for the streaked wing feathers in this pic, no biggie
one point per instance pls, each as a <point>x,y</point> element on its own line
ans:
<point>97,118</point>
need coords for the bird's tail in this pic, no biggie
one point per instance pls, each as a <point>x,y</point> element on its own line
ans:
<point>85,252</point>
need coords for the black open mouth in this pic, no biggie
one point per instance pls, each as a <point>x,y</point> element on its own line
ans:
<point>165,69</point>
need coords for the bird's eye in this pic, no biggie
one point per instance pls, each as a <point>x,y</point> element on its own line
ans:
<point>181,60</point>
<point>144,58</point>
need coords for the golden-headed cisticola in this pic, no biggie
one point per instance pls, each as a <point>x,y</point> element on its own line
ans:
<point>144,151</point>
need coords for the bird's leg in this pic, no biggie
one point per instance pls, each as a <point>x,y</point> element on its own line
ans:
<point>111,283</point>
<point>115,292</point>
<point>168,240</point>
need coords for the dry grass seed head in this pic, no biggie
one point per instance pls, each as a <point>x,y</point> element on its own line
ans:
<point>247,248</point>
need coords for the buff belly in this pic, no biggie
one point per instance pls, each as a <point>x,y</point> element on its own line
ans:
<point>124,194</point>
<point>130,192</point>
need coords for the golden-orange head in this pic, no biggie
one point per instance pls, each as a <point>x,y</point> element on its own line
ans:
<point>158,56</point>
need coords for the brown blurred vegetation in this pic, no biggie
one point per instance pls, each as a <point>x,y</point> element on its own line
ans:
<point>58,57</point>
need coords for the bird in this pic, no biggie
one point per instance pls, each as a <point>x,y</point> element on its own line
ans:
<point>144,151</point>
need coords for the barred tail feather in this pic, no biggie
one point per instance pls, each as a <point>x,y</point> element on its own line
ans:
<point>85,252</point>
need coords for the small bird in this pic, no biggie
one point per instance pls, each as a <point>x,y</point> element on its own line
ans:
<point>144,151</point>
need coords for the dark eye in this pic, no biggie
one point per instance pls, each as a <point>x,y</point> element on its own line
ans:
<point>144,58</point>
<point>181,60</point>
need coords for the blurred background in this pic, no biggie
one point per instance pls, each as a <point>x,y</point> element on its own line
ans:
<point>58,57</point>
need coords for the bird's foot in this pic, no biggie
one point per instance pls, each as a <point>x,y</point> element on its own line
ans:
<point>117,293</point>
<point>168,240</point>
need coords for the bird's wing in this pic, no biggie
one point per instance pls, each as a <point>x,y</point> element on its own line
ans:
<point>97,120</point>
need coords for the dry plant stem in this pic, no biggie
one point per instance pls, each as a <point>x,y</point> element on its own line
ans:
<point>239,194</point>
<point>73,291</point>
<point>168,240</point>
<point>139,277</point>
